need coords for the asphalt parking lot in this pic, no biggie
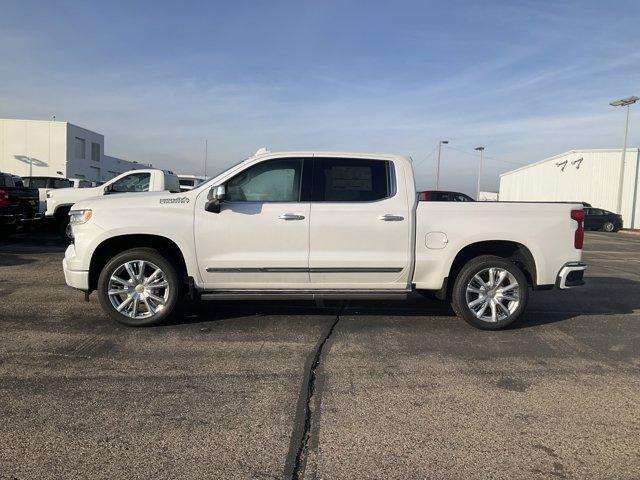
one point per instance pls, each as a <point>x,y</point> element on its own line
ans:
<point>359,390</point>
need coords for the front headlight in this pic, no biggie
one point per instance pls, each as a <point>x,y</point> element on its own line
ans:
<point>78,217</point>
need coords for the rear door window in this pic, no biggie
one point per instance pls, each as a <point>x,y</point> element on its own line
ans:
<point>351,180</point>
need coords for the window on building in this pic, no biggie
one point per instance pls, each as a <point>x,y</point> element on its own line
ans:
<point>351,180</point>
<point>95,152</point>
<point>79,147</point>
<point>271,181</point>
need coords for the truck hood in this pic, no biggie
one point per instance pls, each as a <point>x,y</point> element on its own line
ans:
<point>71,195</point>
<point>142,200</point>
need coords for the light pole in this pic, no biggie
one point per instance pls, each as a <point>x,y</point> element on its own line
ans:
<point>206,154</point>
<point>440,143</point>
<point>481,150</point>
<point>624,102</point>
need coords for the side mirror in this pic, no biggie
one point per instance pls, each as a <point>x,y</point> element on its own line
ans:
<point>108,189</point>
<point>215,198</point>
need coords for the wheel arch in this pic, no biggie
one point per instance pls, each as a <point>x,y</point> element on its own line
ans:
<point>115,245</point>
<point>511,250</point>
<point>61,211</point>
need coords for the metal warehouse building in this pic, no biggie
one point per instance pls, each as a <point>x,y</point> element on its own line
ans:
<point>591,176</point>
<point>57,149</point>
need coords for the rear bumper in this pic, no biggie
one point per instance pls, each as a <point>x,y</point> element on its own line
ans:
<point>571,275</point>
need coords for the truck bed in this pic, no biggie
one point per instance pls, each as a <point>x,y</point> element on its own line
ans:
<point>445,228</point>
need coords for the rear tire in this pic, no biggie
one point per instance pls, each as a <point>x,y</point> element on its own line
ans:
<point>139,288</point>
<point>490,292</point>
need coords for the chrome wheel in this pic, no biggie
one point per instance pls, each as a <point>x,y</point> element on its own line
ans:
<point>608,227</point>
<point>138,289</point>
<point>493,294</point>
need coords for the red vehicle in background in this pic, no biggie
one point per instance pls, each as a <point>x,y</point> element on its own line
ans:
<point>443,196</point>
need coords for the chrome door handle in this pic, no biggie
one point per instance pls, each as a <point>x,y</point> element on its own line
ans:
<point>390,218</point>
<point>291,216</point>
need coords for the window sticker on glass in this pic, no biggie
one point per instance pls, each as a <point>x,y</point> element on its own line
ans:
<point>350,178</point>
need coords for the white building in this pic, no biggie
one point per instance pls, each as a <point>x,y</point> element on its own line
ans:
<point>56,149</point>
<point>580,175</point>
<point>488,196</point>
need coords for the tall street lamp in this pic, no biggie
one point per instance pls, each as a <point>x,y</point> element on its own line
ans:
<point>440,143</point>
<point>481,150</point>
<point>624,102</point>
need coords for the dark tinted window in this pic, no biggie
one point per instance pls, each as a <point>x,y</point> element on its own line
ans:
<point>135,182</point>
<point>440,196</point>
<point>351,180</point>
<point>461,197</point>
<point>3,181</point>
<point>35,182</point>
<point>62,183</point>
<point>270,181</point>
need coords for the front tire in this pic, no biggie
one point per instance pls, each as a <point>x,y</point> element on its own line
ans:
<point>139,288</point>
<point>490,293</point>
<point>64,230</point>
<point>608,227</point>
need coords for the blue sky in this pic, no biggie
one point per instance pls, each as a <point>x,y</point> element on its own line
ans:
<point>525,79</point>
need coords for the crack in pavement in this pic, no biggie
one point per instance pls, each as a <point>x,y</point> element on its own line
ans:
<point>302,429</point>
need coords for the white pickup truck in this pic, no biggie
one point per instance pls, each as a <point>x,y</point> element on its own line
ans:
<point>60,200</point>
<point>309,225</point>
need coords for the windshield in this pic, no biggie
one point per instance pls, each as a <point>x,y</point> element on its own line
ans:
<point>209,177</point>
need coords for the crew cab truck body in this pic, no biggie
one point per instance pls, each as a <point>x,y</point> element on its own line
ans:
<point>18,204</point>
<point>59,201</point>
<point>310,225</point>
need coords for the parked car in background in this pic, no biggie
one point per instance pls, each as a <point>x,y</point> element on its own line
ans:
<point>443,196</point>
<point>313,225</point>
<point>187,182</point>
<point>82,183</point>
<point>599,219</point>
<point>44,184</point>
<point>59,201</point>
<point>18,204</point>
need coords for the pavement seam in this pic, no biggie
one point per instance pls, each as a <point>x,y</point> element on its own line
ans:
<point>299,463</point>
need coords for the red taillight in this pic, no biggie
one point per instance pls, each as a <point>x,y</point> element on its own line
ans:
<point>578,239</point>
<point>4,198</point>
